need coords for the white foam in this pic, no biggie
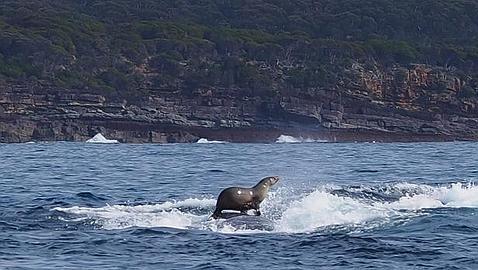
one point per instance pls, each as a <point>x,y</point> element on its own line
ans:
<point>99,138</point>
<point>167,214</point>
<point>287,210</point>
<point>147,208</point>
<point>204,140</point>
<point>417,202</point>
<point>320,209</point>
<point>458,195</point>
<point>291,139</point>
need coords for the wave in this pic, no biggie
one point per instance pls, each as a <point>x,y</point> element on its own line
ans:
<point>99,138</point>
<point>285,211</point>
<point>168,214</point>
<point>291,139</point>
<point>204,140</point>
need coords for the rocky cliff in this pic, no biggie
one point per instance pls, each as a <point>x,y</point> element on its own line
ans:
<point>391,105</point>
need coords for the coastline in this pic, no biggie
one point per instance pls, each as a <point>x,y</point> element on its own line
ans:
<point>250,135</point>
<point>36,112</point>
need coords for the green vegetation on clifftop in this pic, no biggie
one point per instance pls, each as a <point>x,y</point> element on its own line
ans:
<point>128,48</point>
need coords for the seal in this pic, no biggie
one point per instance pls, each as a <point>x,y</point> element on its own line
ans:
<point>243,199</point>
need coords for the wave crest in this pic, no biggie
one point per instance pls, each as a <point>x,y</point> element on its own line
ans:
<point>168,214</point>
<point>291,139</point>
<point>205,141</point>
<point>99,138</point>
<point>286,211</point>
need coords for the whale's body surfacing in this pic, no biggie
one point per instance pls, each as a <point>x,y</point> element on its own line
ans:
<point>245,222</point>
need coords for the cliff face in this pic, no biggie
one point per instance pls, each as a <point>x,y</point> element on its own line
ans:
<point>382,105</point>
<point>175,71</point>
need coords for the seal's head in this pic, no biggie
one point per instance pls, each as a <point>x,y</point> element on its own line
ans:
<point>261,189</point>
<point>270,180</point>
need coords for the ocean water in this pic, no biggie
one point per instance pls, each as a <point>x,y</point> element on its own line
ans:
<point>337,206</point>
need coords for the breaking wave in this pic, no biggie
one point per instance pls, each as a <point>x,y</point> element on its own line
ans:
<point>99,138</point>
<point>204,140</point>
<point>291,139</point>
<point>286,211</point>
<point>181,214</point>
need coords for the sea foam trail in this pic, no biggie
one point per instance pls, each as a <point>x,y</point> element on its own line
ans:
<point>321,209</point>
<point>456,195</point>
<point>287,212</point>
<point>168,214</point>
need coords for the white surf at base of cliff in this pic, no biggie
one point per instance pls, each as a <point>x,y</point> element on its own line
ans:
<point>99,138</point>
<point>291,139</point>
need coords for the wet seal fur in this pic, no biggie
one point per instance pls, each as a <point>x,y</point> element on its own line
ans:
<point>243,199</point>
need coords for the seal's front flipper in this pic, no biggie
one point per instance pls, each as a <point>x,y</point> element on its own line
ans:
<point>217,214</point>
<point>258,212</point>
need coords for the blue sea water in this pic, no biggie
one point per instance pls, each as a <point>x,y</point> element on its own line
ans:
<point>337,206</point>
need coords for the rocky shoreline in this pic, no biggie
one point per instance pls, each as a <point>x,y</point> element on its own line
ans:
<point>39,112</point>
